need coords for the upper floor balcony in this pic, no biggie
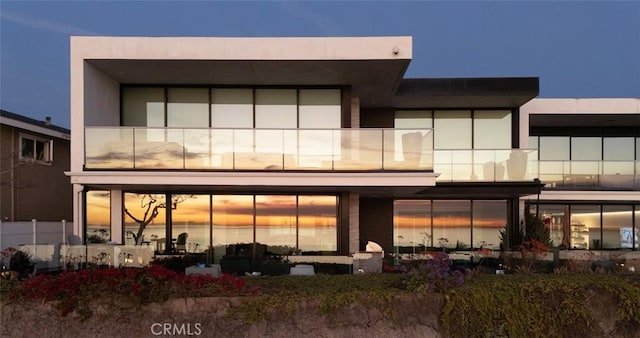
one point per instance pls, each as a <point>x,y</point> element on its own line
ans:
<point>486,165</point>
<point>590,175</point>
<point>142,148</point>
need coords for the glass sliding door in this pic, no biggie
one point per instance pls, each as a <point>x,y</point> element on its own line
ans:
<point>276,224</point>
<point>489,218</point>
<point>143,107</point>
<point>190,223</point>
<point>452,224</point>
<point>145,219</point>
<point>617,226</point>
<point>412,226</point>
<point>98,211</point>
<point>317,224</point>
<point>233,217</point>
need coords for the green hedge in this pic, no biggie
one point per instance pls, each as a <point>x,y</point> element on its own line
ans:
<point>540,306</point>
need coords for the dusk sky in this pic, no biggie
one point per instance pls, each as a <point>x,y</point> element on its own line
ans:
<point>577,48</point>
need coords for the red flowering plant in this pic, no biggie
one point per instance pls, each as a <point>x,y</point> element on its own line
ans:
<point>531,251</point>
<point>140,285</point>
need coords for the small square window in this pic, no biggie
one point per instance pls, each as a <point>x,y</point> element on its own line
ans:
<point>36,149</point>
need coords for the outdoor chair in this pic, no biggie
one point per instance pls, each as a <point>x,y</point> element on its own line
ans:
<point>181,242</point>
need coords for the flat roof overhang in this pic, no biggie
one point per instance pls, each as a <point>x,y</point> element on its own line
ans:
<point>451,93</point>
<point>387,184</point>
<point>481,190</point>
<point>371,66</point>
<point>629,120</point>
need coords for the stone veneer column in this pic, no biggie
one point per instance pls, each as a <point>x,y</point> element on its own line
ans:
<point>355,112</point>
<point>116,216</point>
<point>354,222</point>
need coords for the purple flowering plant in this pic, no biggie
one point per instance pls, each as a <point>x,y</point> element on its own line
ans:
<point>434,275</point>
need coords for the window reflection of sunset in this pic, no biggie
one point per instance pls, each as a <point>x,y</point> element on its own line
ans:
<point>98,208</point>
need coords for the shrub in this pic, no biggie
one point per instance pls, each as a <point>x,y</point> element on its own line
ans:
<point>434,275</point>
<point>540,306</point>
<point>154,283</point>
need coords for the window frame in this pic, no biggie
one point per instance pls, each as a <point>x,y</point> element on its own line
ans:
<point>47,152</point>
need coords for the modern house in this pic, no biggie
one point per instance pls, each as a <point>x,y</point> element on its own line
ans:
<point>312,145</point>
<point>589,159</point>
<point>34,156</point>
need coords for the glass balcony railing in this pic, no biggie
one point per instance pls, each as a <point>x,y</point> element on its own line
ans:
<point>258,149</point>
<point>590,175</point>
<point>486,165</point>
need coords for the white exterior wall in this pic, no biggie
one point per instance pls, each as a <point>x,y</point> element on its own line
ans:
<point>574,106</point>
<point>578,106</point>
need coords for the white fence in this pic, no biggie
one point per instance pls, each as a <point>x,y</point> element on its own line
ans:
<point>47,244</point>
<point>14,234</point>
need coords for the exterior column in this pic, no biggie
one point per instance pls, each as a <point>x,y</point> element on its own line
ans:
<point>354,223</point>
<point>355,112</point>
<point>116,216</point>
<point>78,210</point>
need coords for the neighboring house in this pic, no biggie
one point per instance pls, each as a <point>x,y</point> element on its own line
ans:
<point>589,158</point>
<point>34,158</point>
<point>286,145</point>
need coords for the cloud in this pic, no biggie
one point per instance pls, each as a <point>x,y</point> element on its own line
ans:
<point>326,26</point>
<point>39,23</point>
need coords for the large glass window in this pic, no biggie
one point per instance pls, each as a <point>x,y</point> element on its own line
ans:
<point>232,222</point>
<point>637,227</point>
<point>452,224</point>
<point>586,148</point>
<point>317,223</point>
<point>188,107</point>
<point>617,221</point>
<point>489,218</point>
<point>98,211</point>
<point>145,218</point>
<point>190,219</point>
<point>232,108</point>
<point>319,108</point>
<point>618,149</point>
<point>492,129</point>
<point>585,227</point>
<point>276,108</point>
<point>276,224</point>
<point>553,216</point>
<point>554,148</point>
<point>412,226</point>
<point>143,107</point>
<point>452,129</point>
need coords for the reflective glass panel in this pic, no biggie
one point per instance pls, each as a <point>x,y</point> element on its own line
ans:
<point>412,226</point>
<point>190,223</point>
<point>489,217</point>
<point>231,108</point>
<point>276,108</point>
<point>637,226</point>
<point>617,226</point>
<point>188,107</point>
<point>492,129</point>
<point>98,216</point>
<point>320,108</point>
<point>553,216</point>
<point>585,227</point>
<point>618,149</point>
<point>232,222</point>
<point>276,224</point>
<point>452,224</point>
<point>145,217</point>
<point>452,129</point>
<point>554,148</point>
<point>586,148</point>
<point>317,224</point>
<point>143,107</point>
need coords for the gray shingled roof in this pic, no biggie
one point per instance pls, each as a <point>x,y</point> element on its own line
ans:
<point>34,122</point>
